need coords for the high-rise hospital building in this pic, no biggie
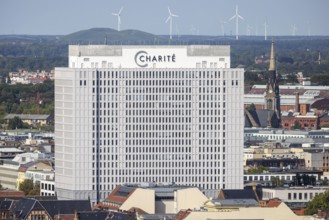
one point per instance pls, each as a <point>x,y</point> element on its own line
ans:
<point>135,114</point>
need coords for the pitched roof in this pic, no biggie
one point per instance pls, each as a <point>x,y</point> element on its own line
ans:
<point>120,194</point>
<point>273,203</point>
<point>23,207</point>
<point>54,207</point>
<point>182,214</point>
<point>99,215</point>
<point>121,216</point>
<point>260,116</point>
<point>238,194</point>
<point>6,205</point>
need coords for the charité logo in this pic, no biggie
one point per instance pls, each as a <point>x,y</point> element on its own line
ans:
<point>142,58</point>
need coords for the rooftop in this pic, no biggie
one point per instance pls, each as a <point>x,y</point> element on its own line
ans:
<point>27,117</point>
<point>235,202</point>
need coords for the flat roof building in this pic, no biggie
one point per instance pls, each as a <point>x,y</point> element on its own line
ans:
<point>132,114</point>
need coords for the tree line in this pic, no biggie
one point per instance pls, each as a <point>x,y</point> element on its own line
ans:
<point>22,99</point>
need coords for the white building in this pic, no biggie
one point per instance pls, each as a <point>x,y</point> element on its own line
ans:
<point>132,114</point>
<point>293,194</point>
<point>47,188</point>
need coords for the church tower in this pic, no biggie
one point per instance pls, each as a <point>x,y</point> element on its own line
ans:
<point>272,93</point>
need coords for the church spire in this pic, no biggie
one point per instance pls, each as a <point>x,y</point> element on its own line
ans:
<point>272,94</point>
<point>272,58</point>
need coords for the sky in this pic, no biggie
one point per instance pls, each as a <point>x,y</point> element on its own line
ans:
<point>203,17</point>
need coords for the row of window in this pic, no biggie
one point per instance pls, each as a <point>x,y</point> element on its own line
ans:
<point>134,169</point>
<point>147,74</point>
<point>201,185</point>
<point>158,149</point>
<point>307,196</point>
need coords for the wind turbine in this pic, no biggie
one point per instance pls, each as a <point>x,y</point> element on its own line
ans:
<point>265,26</point>
<point>249,30</point>
<point>293,30</point>
<point>222,26</point>
<point>193,30</point>
<point>237,16</point>
<point>170,19</point>
<point>119,17</point>
<point>308,29</point>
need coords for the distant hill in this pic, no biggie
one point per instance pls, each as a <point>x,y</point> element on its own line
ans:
<point>110,36</point>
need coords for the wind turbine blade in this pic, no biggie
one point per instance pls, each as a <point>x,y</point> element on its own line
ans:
<point>233,17</point>
<point>240,17</point>
<point>115,14</point>
<point>174,15</point>
<point>169,10</point>
<point>168,19</point>
<point>120,10</point>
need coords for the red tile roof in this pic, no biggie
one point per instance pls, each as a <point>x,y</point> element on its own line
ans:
<point>273,203</point>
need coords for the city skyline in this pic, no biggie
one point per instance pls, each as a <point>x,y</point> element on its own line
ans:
<point>61,18</point>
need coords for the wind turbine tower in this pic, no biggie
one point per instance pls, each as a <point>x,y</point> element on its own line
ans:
<point>222,26</point>
<point>119,17</point>
<point>236,17</point>
<point>293,30</point>
<point>308,29</point>
<point>170,20</point>
<point>265,25</point>
<point>249,30</point>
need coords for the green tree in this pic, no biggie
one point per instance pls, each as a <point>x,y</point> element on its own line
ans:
<point>298,180</point>
<point>14,123</point>
<point>292,78</point>
<point>324,182</point>
<point>26,186</point>
<point>320,79</point>
<point>319,202</point>
<point>277,182</point>
<point>297,125</point>
<point>29,188</point>
<point>257,170</point>
<point>251,107</point>
<point>36,189</point>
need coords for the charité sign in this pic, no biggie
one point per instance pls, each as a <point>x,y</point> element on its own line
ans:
<point>143,59</point>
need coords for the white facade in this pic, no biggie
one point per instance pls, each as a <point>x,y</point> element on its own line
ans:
<point>127,116</point>
<point>47,188</point>
<point>293,194</point>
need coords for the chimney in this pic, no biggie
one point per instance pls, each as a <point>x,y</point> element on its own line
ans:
<point>297,103</point>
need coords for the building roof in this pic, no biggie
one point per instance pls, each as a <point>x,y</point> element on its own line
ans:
<point>54,207</point>
<point>10,150</point>
<point>235,202</point>
<point>159,216</point>
<point>23,207</point>
<point>273,203</point>
<point>99,215</point>
<point>260,116</point>
<point>237,194</point>
<point>310,91</point>
<point>116,50</point>
<point>6,205</point>
<point>182,214</point>
<point>27,117</point>
<point>119,195</point>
